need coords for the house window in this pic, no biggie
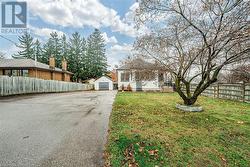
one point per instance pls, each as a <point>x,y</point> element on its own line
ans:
<point>125,77</point>
<point>7,72</point>
<point>144,75</point>
<point>15,72</point>
<point>161,77</point>
<point>25,73</point>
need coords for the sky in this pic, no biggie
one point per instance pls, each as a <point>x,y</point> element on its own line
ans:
<point>113,17</point>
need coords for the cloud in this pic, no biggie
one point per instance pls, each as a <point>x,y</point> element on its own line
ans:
<point>44,32</point>
<point>80,13</point>
<point>129,16</point>
<point>111,40</point>
<point>129,19</point>
<point>10,50</point>
<point>125,48</point>
<point>118,52</point>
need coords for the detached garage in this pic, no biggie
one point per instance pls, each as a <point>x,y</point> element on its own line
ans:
<point>104,83</point>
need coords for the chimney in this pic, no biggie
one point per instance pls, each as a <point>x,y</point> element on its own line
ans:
<point>52,62</point>
<point>64,64</point>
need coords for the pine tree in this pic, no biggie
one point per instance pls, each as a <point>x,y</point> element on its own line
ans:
<point>27,47</point>
<point>64,46</point>
<point>47,51</point>
<point>56,48</point>
<point>75,55</point>
<point>96,64</point>
<point>38,50</point>
<point>83,59</point>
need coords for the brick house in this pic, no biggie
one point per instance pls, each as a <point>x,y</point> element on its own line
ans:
<point>31,68</point>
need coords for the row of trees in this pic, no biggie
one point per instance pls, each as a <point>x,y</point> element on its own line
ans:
<point>86,57</point>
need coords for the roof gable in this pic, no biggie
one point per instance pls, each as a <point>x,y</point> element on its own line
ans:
<point>106,77</point>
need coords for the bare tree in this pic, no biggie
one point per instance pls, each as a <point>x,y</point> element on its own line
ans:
<point>239,74</point>
<point>2,55</point>
<point>194,40</point>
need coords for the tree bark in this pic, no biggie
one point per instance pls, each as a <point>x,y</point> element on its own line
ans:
<point>188,98</point>
<point>190,101</point>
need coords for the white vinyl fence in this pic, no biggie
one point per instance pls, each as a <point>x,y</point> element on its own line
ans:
<point>24,85</point>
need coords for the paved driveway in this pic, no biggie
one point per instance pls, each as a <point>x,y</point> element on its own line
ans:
<point>67,129</point>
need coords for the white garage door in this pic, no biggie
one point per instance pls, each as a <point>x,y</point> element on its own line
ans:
<point>103,85</point>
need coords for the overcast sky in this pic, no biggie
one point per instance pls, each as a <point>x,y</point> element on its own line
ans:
<point>113,17</point>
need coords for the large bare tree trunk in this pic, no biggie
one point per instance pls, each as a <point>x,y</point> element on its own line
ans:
<point>190,98</point>
<point>187,98</point>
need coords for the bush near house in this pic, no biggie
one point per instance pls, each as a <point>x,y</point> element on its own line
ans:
<point>147,130</point>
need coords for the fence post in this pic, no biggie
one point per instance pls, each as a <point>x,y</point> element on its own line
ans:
<point>243,91</point>
<point>218,90</point>
<point>214,91</point>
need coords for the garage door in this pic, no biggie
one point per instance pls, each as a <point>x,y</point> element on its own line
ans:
<point>103,85</point>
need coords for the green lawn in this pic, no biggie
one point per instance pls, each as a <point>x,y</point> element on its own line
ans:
<point>146,130</point>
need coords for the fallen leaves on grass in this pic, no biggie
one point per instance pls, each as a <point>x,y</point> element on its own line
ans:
<point>153,152</point>
<point>130,157</point>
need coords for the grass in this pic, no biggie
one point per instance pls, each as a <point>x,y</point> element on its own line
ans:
<point>147,130</point>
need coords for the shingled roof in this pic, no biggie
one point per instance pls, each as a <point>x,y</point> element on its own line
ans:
<point>26,64</point>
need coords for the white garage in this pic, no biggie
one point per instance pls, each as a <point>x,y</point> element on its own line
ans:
<point>104,83</point>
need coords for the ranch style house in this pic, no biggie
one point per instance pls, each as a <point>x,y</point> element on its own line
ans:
<point>32,68</point>
<point>142,76</point>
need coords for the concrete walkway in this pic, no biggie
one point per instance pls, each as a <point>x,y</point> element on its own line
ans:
<point>67,129</point>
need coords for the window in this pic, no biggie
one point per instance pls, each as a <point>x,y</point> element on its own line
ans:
<point>144,75</point>
<point>161,77</point>
<point>25,73</point>
<point>125,77</point>
<point>7,72</point>
<point>15,72</point>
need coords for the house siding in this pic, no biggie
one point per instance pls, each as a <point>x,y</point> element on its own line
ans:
<point>48,75</point>
<point>58,76</point>
<point>40,74</point>
<point>67,77</point>
<point>145,85</point>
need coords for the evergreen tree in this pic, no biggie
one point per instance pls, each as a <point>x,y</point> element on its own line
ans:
<point>83,59</point>
<point>38,50</point>
<point>47,51</point>
<point>64,46</point>
<point>56,48</point>
<point>96,64</point>
<point>27,47</point>
<point>75,55</point>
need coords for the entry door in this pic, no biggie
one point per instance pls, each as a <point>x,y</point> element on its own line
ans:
<point>103,85</point>
<point>138,86</point>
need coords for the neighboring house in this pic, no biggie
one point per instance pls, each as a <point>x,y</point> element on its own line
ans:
<point>31,68</point>
<point>104,83</point>
<point>141,76</point>
<point>113,75</point>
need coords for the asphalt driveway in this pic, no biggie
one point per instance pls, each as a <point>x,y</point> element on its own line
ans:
<point>66,129</point>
